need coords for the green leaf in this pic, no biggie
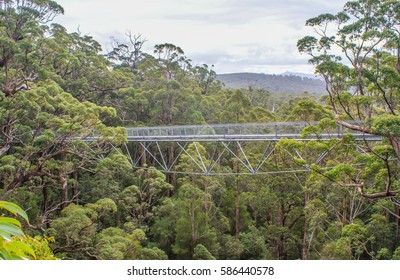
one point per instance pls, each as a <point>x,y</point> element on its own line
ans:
<point>20,249</point>
<point>14,209</point>
<point>6,220</point>
<point>6,236</point>
<point>11,229</point>
<point>4,255</point>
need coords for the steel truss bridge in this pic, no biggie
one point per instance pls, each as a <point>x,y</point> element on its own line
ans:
<point>251,148</point>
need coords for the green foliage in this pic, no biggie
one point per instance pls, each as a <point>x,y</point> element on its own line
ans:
<point>308,110</point>
<point>163,229</point>
<point>153,254</point>
<point>316,215</point>
<point>201,253</point>
<point>254,246</point>
<point>396,254</point>
<point>232,248</point>
<point>380,233</point>
<point>386,124</point>
<point>237,106</point>
<point>341,172</point>
<point>14,244</point>
<point>58,90</point>
<point>339,250</point>
<point>115,244</point>
<point>41,246</point>
<point>350,245</point>
<point>193,222</point>
<point>11,247</point>
<point>73,230</point>
<point>361,78</point>
<point>138,201</point>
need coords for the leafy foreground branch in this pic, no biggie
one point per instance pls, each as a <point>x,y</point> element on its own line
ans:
<point>357,53</point>
<point>14,244</point>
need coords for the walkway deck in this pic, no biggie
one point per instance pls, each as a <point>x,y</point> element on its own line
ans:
<point>238,132</point>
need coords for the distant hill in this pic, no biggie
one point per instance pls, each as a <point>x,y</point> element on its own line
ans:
<point>303,75</point>
<point>285,83</point>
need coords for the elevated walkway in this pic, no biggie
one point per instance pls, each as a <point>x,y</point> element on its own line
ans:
<point>238,132</point>
<point>226,149</point>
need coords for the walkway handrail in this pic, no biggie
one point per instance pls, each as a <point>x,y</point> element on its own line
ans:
<point>245,130</point>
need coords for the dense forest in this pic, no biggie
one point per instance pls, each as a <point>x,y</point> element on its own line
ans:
<point>63,197</point>
<point>284,83</point>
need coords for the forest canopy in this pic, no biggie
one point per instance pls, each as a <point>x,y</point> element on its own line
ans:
<point>84,200</point>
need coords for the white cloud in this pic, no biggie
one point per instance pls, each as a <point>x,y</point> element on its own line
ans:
<point>234,35</point>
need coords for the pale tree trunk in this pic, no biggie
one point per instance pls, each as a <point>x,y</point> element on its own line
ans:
<point>237,212</point>
<point>237,204</point>
<point>345,210</point>
<point>192,228</point>
<point>395,141</point>
<point>75,188</point>
<point>171,177</point>
<point>169,113</point>
<point>45,199</point>
<point>143,159</point>
<point>170,120</point>
<point>64,192</point>
<point>397,209</point>
<point>305,229</point>
<point>280,239</point>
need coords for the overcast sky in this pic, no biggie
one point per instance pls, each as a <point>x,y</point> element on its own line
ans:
<point>233,35</point>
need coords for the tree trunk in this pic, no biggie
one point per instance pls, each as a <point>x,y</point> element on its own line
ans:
<point>280,239</point>
<point>388,214</point>
<point>345,210</point>
<point>237,212</point>
<point>143,159</point>
<point>397,220</point>
<point>64,192</point>
<point>75,188</point>
<point>237,202</point>
<point>192,228</point>
<point>169,113</point>
<point>304,252</point>
<point>395,141</point>
<point>45,199</point>
<point>171,177</point>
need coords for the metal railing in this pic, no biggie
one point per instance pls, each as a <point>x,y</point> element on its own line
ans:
<point>240,131</point>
